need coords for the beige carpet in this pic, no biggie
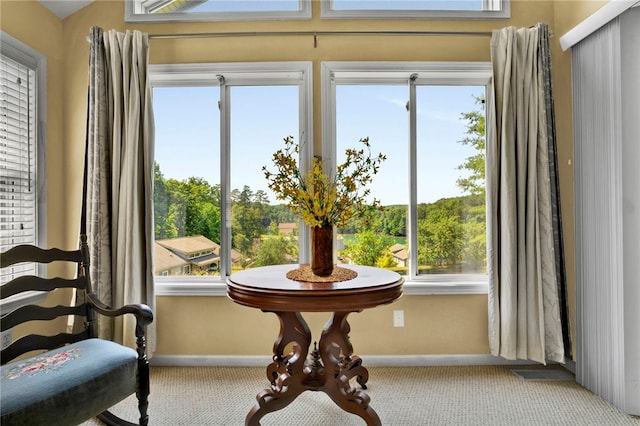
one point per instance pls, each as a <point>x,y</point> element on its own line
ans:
<point>463,395</point>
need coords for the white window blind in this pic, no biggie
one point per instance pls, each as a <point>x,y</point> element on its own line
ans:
<point>18,156</point>
<point>606,93</point>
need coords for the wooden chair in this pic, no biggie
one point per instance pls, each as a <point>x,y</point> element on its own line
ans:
<point>78,376</point>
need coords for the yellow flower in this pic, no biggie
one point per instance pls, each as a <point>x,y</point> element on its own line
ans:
<point>318,199</point>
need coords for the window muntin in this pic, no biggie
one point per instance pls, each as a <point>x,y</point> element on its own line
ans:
<point>424,9</point>
<point>248,110</point>
<point>426,83</point>
<point>214,10</point>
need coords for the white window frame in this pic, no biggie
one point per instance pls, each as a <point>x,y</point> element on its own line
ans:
<point>409,74</point>
<point>136,11</point>
<point>24,54</point>
<point>226,76</point>
<point>492,9</point>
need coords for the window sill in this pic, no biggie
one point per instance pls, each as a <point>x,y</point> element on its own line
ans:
<point>411,288</point>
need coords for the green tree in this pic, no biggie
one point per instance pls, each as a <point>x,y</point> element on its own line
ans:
<point>273,229</point>
<point>177,213</point>
<point>474,231</point>
<point>171,230</point>
<point>279,214</point>
<point>261,197</point>
<point>386,260</point>
<point>474,183</point>
<point>247,219</point>
<point>394,220</point>
<point>474,222</point>
<point>202,211</point>
<point>276,250</point>
<point>185,208</point>
<point>440,232</point>
<point>367,247</point>
<point>161,205</point>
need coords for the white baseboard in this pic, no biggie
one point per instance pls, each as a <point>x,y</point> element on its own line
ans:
<point>368,360</point>
<point>209,361</point>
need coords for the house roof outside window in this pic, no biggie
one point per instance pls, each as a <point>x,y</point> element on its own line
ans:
<point>165,260</point>
<point>189,247</point>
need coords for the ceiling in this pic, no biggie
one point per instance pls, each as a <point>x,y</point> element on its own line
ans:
<point>64,8</point>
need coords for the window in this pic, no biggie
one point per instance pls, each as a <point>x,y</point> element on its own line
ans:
<point>22,191</point>
<point>216,126</point>
<point>432,184</point>
<point>215,10</point>
<point>438,9</point>
<point>408,5</point>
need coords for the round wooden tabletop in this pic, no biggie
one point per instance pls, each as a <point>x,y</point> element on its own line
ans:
<point>269,289</point>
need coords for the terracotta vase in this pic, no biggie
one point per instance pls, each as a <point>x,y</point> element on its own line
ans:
<point>322,250</point>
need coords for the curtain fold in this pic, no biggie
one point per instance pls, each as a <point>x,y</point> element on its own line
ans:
<point>522,219</point>
<point>556,211</point>
<point>119,185</point>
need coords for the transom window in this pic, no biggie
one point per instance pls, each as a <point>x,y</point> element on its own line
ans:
<point>391,9</point>
<point>215,10</point>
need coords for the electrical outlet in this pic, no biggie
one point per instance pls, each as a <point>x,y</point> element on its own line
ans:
<point>6,337</point>
<point>398,318</point>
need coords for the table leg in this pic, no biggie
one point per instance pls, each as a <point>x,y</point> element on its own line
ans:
<point>286,371</point>
<point>330,368</point>
<point>340,366</point>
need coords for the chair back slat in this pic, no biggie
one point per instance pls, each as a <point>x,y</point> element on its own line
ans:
<point>27,253</point>
<point>37,342</point>
<point>17,264</point>
<point>40,313</point>
<point>33,283</point>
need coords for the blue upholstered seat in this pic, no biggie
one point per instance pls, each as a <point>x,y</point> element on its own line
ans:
<point>68,385</point>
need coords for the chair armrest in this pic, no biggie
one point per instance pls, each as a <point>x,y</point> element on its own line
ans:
<point>144,317</point>
<point>143,313</point>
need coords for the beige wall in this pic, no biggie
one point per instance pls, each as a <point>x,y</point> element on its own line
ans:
<point>433,325</point>
<point>214,325</point>
<point>40,29</point>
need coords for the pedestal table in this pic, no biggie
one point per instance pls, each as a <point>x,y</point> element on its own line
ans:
<point>330,365</point>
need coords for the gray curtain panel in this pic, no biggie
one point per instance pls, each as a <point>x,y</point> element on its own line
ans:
<point>119,181</point>
<point>524,302</point>
<point>556,211</point>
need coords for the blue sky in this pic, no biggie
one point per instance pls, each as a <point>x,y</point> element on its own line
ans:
<point>380,113</point>
<point>187,134</point>
<point>246,5</point>
<point>408,4</point>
